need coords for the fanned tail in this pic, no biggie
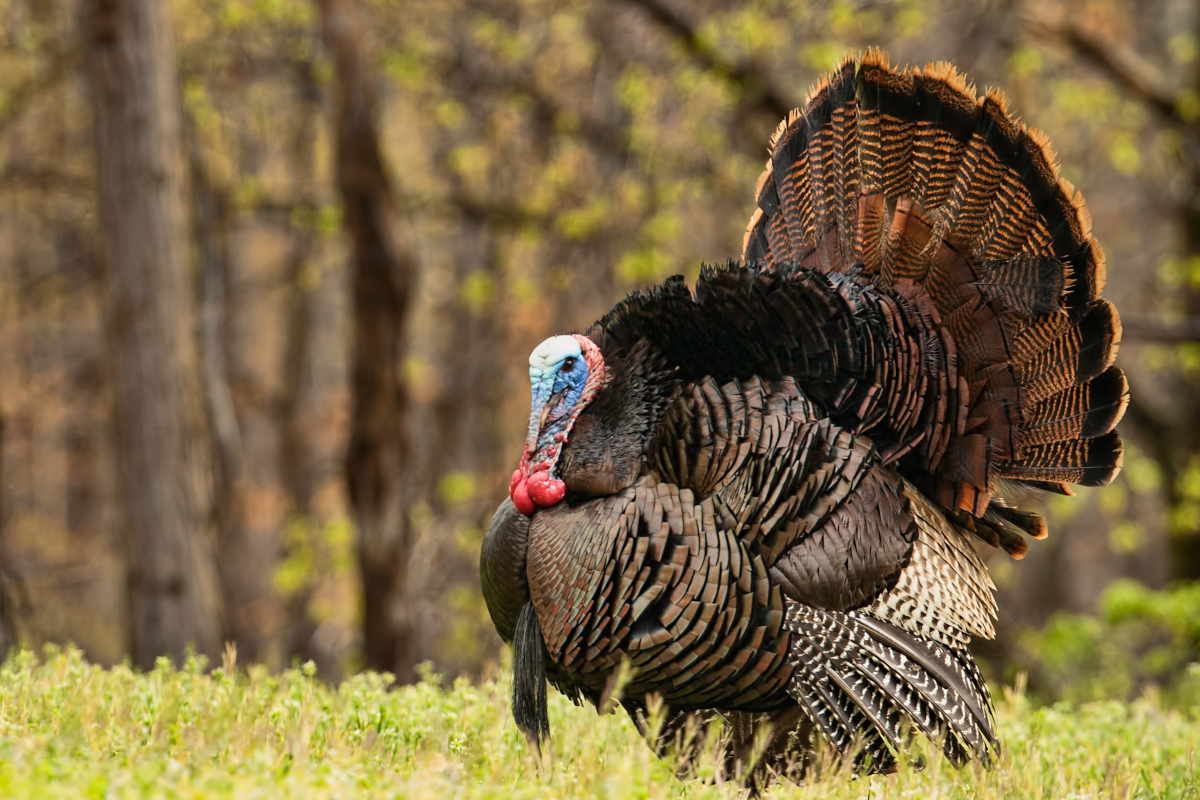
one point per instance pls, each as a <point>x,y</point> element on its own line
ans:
<point>908,179</point>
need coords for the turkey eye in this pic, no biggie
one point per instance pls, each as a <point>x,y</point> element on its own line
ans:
<point>568,365</point>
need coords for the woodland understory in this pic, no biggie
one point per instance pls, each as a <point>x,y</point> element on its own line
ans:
<point>370,211</point>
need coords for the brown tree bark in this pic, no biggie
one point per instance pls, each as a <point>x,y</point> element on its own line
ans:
<point>161,442</point>
<point>383,274</point>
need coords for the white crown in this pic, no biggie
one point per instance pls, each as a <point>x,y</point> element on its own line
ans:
<point>548,355</point>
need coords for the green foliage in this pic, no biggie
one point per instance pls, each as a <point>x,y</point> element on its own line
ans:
<point>314,552</point>
<point>70,729</point>
<point>458,487</point>
<point>1141,639</point>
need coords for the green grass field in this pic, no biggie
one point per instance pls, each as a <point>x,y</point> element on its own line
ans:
<point>70,729</point>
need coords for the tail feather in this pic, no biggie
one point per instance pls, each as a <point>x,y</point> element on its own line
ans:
<point>1077,355</point>
<point>1002,532</point>
<point>968,208</point>
<point>1083,411</point>
<point>1029,522</point>
<point>1028,286</point>
<point>814,185</point>
<point>947,117</point>
<point>948,197</point>
<point>1088,462</point>
<point>887,123</point>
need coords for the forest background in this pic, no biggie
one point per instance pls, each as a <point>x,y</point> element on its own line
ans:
<point>270,271</point>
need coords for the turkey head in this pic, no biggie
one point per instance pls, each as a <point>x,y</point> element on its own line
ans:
<point>565,372</point>
<point>590,419</point>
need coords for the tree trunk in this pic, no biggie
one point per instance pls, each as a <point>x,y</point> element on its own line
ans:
<point>383,275</point>
<point>161,442</point>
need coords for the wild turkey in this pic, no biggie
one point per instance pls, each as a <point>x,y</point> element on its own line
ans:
<point>762,493</point>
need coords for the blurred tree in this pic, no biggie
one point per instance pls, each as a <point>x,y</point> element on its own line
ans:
<point>377,461</point>
<point>1168,425</point>
<point>161,442</point>
<point>546,157</point>
<point>248,539</point>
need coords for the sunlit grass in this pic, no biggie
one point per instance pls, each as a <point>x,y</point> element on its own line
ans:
<point>70,729</point>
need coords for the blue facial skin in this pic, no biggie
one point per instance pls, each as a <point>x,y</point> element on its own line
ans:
<point>555,392</point>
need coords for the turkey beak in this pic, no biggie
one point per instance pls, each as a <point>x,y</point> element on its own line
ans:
<point>554,400</point>
<point>538,416</point>
<point>543,414</point>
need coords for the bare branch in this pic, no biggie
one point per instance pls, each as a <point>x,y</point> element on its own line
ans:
<point>501,215</point>
<point>757,87</point>
<point>1121,64</point>
<point>21,176</point>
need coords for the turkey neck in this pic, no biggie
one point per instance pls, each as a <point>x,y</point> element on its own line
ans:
<point>607,445</point>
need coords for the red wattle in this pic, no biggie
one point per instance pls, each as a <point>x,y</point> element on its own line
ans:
<point>544,490</point>
<point>517,477</point>
<point>520,497</point>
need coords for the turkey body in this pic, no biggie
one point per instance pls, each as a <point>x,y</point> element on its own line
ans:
<point>765,496</point>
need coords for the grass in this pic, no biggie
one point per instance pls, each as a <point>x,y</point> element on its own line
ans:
<point>70,729</point>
